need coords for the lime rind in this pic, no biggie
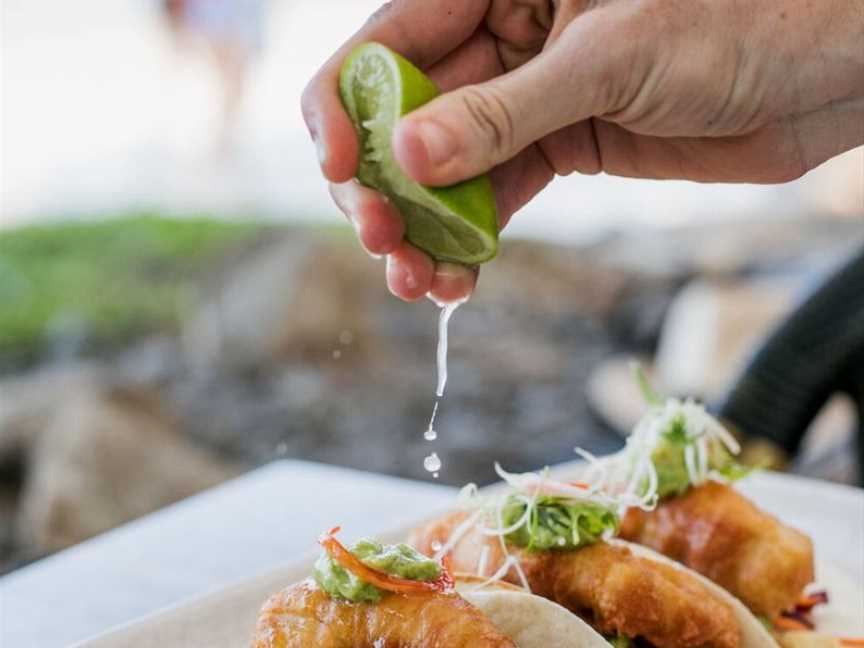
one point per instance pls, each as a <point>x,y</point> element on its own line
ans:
<point>456,223</point>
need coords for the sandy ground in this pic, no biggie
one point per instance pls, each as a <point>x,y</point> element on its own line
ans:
<point>99,114</point>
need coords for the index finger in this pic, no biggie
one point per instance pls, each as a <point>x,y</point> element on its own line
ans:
<point>423,31</point>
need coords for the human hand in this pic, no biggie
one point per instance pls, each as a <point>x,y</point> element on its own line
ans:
<point>706,90</point>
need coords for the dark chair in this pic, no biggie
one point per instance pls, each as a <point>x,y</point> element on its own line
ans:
<point>817,352</point>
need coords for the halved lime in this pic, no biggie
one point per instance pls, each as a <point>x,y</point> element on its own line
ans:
<point>456,223</point>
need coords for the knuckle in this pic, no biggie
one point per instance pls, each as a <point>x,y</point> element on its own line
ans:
<point>490,117</point>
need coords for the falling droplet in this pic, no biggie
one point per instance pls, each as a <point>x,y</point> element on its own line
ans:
<point>346,337</point>
<point>430,434</point>
<point>436,546</point>
<point>337,354</point>
<point>435,475</point>
<point>282,448</point>
<point>432,463</point>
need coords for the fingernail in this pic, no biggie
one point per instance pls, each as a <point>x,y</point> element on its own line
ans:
<point>437,141</point>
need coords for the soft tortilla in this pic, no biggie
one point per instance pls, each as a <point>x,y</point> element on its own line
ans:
<point>533,622</point>
<point>842,615</point>
<point>529,620</point>
<point>753,633</point>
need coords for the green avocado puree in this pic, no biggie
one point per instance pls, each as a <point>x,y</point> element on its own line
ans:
<point>397,560</point>
<point>671,466</point>
<point>557,523</point>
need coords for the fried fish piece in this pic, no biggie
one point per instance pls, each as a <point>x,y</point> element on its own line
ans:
<point>304,615</point>
<point>614,590</point>
<point>718,532</point>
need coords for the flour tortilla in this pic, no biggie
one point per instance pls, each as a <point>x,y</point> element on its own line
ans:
<point>753,633</point>
<point>544,625</point>
<point>843,615</point>
<point>529,620</point>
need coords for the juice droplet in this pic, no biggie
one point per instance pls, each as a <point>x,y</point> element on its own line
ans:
<point>435,475</point>
<point>432,463</point>
<point>436,546</point>
<point>430,434</point>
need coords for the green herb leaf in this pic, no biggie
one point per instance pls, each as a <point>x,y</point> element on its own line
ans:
<point>651,396</point>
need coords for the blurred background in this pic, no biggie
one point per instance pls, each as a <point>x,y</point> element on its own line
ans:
<point>180,302</point>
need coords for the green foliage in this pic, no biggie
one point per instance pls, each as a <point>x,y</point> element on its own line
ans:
<point>109,279</point>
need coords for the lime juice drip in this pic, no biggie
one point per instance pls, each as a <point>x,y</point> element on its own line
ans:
<point>432,463</point>
<point>443,322</point>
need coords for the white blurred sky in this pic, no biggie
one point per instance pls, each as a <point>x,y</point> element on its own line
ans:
<point>99,116</point>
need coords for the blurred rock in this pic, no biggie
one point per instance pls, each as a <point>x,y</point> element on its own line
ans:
<point>713,327</point>
<point>152,361</point>
<point>292,299</point>
<point>345,373</point>
<point>614,395</point>
<point>553,279</point>
<point>28,402</point>
<point>109,455</point>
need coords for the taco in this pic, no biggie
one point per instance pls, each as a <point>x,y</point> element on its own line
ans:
<point>556,540</point>
<point>390,596</point>
<point>682,462</point>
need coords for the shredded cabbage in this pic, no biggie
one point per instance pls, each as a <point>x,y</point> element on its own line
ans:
<point>676,445</point>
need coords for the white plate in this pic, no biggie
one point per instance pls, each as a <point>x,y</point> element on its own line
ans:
<point>832,515</point>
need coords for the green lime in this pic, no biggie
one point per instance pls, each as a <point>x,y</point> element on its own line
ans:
<point>456,223</point>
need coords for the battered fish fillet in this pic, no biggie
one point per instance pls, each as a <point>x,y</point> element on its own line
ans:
<point>305,616</point>
<point>615,591</point>
<point>718,532</point>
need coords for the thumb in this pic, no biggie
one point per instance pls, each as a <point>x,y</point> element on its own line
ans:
<point>470,130</point>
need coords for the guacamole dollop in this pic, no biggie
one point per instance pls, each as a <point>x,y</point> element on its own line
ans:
<point>668,459</point>
<point>671,429</point>
<point>556,522</point>
<point>397,560</point>
<point>670,462</point>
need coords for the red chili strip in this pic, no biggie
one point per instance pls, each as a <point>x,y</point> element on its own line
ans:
<point>338,552</point>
